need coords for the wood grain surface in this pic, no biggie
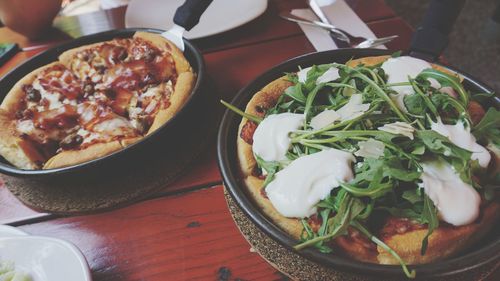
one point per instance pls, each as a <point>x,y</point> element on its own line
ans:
<point>183,232</point>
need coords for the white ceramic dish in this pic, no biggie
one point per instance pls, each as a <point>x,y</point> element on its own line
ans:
<point>45,259</point>
<point>221,15</point>
<point>9,231</point>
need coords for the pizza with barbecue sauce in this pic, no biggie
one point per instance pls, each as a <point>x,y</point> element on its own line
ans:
<point>94,100</point>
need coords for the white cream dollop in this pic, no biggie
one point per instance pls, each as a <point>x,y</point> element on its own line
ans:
<point>352,109</point>
<point>397,71</point>
<point>271,139</point>
<point>297,188</point>
<point>462,137</point>
<point>457,202</point>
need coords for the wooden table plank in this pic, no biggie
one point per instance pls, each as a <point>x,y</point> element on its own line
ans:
<point>190,236</point>
<point>230,70</point>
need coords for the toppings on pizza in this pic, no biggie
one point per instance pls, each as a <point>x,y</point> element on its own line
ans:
<point>345,148</point>
<point>97,94</point>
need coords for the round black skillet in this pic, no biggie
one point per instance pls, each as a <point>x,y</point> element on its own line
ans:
<point>428,43</point>
<point>167,137</point>
<point>228,162</point>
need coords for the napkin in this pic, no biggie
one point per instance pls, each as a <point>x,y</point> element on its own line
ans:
<point>340,15</point>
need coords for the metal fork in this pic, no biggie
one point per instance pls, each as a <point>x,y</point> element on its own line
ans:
<point>351,40</point>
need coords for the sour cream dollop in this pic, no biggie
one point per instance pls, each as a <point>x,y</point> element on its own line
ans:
<point>297,188</point>
<point>271,139</point>
<point>398,70</point>
<point>457,202</point>
<point>462,137</point>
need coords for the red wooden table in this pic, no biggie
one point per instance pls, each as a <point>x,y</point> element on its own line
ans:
<point>185,231</point>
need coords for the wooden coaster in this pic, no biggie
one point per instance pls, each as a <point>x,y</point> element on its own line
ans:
<point>128,186</point>
<point>299,268</point>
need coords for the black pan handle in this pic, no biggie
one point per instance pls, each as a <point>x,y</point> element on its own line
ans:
<point>431,38</point>
<point>188,15</point>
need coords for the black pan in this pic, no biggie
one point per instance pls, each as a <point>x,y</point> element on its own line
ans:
<point>428,43</point>
<point>158,144</point>
<point>166,136</point>
<point>487,251</point>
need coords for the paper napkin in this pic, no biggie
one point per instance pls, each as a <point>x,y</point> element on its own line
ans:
<point>340,15</point>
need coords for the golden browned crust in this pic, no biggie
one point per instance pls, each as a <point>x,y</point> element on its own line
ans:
<point>445,241</point>
<point>72,157</point>
<point>67,57</point>
<point>181,63</point>
<point>182,90</point>
<point>185,78</point>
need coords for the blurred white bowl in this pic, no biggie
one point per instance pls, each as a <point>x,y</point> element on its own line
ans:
<point>9,231</point>
<point>45,259</point>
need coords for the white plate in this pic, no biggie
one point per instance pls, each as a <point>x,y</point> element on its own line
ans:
<point>221,15</point>
<point>45,259</point>
<point>9,231</point>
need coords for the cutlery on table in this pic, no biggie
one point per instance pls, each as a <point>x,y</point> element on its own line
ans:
<point>341,37</point>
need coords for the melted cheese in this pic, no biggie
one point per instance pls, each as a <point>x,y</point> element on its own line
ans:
<point>398,70</point>
<point>271,140</point>
<point>52,98</point>
<point>457,202</point>
<point>115,127</point>
<point>297,189</point>
<point>462,137</point>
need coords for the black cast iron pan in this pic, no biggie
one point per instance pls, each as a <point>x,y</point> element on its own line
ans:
<point>159,143</point>
<point>487,251</point>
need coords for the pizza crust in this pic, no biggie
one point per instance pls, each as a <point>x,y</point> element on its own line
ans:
<point>182,91</point>
<point>73,157</point>
<point>445,241</point>
<point>442,243</point>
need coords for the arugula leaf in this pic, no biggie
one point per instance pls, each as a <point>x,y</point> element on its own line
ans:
<point>415,104</point>
<point>440,144</point>
<point>447,80</point>
<point>396,54</point>
<point>270,167</point>
<point>295,92</point>
<point>402,212</point>
<point>412,195</point>
<point>429,215</point>
<point>348,210</point>
<point>488,129</point>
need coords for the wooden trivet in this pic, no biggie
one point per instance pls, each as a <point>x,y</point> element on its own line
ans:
<point>104,193</point>
<point>298,268</point>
